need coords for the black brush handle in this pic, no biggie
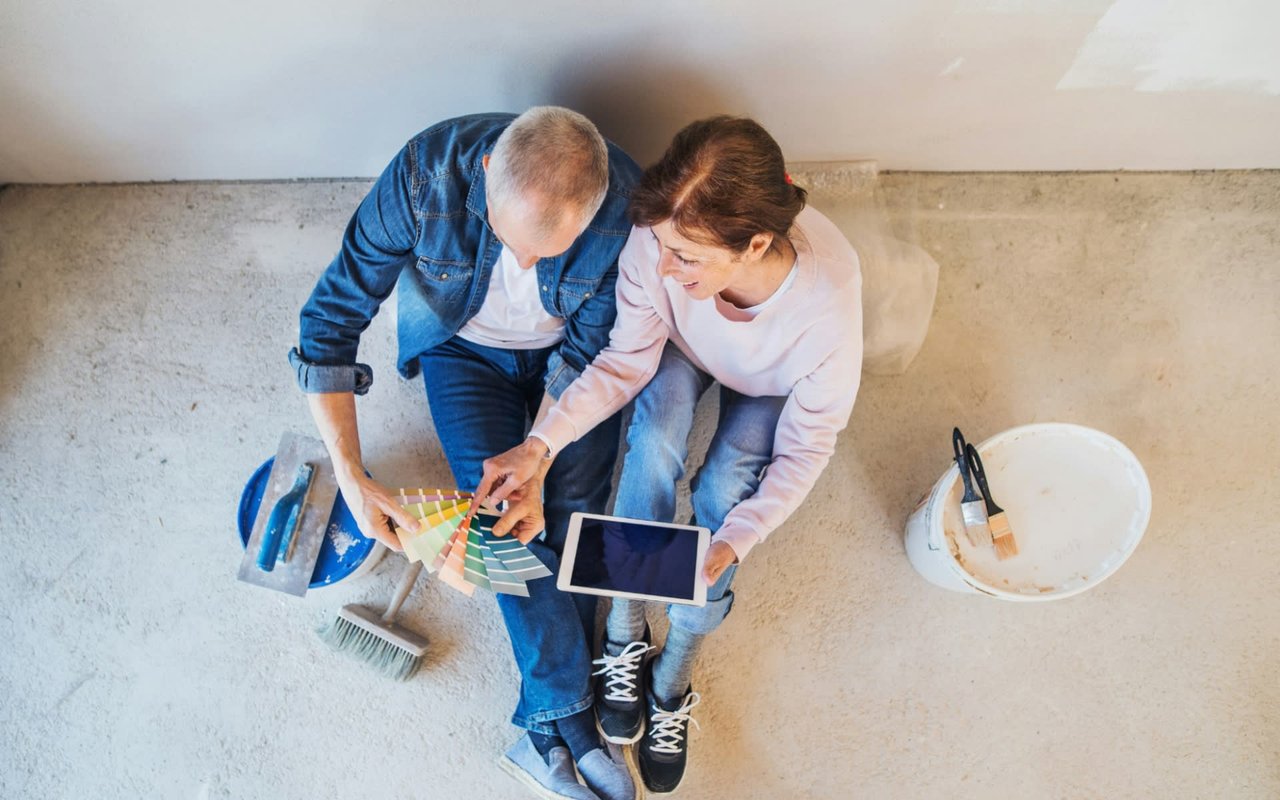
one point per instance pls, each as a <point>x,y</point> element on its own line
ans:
<point>980,472</point>
<point>959,444</point>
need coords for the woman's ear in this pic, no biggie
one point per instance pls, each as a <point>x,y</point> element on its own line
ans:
<point>759,246</point>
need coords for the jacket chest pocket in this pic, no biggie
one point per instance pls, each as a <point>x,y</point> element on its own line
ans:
<point>573,293</point>
<point>450,277</point>
<point>446,265</point>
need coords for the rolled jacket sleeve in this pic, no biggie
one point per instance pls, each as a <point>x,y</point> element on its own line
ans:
<point>376,247</point>
<point>321,379</point>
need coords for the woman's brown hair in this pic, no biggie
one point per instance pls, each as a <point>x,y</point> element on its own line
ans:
<point>721,182</point>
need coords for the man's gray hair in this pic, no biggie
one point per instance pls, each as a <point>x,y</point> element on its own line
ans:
<point>554,156</point>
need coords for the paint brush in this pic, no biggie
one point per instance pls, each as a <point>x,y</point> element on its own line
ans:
<point>1001,533</point>
<point>971,507</point>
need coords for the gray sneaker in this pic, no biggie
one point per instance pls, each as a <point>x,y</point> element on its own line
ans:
<point>607,773</point>
<point>552,778</point>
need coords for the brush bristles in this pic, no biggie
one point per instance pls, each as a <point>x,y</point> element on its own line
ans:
<point>389,658</point>
<point>975,523</point>
<point>1002,537</point>
<point>979,535</point>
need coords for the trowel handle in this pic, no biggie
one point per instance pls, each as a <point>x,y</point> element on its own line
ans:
<point>402,591</point>
<point>281,522</point>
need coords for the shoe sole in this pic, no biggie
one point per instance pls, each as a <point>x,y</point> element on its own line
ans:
<point>513,769</point>
<point>618,739</point>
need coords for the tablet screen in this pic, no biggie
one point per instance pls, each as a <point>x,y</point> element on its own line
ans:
<point>634,557</point>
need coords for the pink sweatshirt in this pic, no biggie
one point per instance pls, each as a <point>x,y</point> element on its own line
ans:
<point>805,345</point>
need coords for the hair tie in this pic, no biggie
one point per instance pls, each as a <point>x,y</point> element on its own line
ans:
<point>787,175</point>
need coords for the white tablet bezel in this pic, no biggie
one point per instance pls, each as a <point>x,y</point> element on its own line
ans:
<point>570,554</point>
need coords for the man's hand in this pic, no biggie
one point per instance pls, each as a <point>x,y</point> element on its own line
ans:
<point>375,509</point>
<point>719,557</point>
<point>523,516</point>
<point>371,504</point>
<point>507,472</point>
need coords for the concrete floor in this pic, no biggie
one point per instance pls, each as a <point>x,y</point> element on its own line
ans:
<point>143,377</point>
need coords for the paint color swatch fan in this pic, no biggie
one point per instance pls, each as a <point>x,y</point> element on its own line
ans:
<point>463,552</point>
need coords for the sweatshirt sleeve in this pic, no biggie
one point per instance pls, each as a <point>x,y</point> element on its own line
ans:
<point>816,411</point>
<point>626,365</point>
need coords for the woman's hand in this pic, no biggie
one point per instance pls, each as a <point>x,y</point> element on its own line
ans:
<point>374,508</point>
<point>507,472</point>
<point>719,557</point>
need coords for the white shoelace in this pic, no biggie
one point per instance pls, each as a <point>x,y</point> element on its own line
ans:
<point>667,727</point>
<point>621,672</point>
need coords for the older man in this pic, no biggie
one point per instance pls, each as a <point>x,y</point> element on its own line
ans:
<point>502,234</point>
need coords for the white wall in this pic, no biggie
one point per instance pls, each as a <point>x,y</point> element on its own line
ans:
<point>118,90</point>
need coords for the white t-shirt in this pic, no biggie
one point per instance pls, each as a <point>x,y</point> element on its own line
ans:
<point>754,311</point>
<point>512,316</point>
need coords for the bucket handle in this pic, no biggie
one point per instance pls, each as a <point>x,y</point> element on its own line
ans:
<point>928,537</point>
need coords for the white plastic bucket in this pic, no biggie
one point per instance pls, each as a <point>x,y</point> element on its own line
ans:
<point>1077,500</point>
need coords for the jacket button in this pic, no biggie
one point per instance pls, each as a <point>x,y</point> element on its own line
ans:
<point>588,294</point>
<point>544,287</point>
<point>444,275</point>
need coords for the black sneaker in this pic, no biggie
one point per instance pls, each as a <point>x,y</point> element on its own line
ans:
<point>663,753</point>
<point>620,693</point>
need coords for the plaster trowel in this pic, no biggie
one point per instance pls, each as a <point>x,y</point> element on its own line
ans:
<point>290,526</point>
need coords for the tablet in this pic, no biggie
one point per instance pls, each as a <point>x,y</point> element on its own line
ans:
<point>634,558</point>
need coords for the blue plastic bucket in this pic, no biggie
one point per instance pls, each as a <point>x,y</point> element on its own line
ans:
<point>345,551</point>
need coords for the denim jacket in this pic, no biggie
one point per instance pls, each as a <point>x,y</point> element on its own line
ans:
<point>423,228</point>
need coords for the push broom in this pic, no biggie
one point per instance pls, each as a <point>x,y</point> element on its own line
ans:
<point>375,638</point>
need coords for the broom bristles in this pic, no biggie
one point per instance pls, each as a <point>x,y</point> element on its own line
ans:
<point>395,653</point>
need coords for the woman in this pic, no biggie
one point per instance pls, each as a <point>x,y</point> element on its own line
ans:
<point>726,278</point>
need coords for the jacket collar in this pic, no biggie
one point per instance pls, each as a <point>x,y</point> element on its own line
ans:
<point>477,199</point>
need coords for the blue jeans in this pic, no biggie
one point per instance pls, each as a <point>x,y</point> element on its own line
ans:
<point>483,400</point>
<point>658,441</point>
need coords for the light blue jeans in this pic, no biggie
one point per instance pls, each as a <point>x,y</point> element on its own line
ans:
<point>658,441</point>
